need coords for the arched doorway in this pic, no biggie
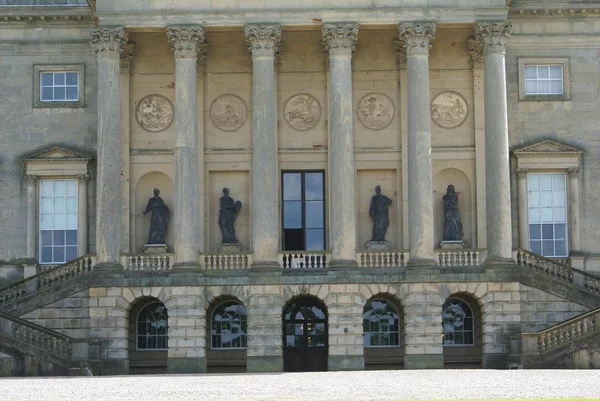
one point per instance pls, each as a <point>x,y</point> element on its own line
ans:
<point>305,346</point>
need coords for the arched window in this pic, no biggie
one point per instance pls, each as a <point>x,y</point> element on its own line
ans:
<point>152,324</point>
<point>380,324</point>
<point>229,326</point>
<point>457,323</point>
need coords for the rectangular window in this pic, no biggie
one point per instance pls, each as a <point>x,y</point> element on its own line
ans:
<point>61,86</point>
<point>58,221</point>
<point>544,80</point>
<point>303,211</point>
<point>547,214</point>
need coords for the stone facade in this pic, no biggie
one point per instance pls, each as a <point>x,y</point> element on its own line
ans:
<point>411,100</point>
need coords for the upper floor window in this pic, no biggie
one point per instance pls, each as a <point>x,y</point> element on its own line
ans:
<point>544,78</point>
<point>59,86</point>
<point>547,214</point>
<point>58,221</point>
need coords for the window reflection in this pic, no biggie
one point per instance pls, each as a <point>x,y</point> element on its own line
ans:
<point>457,323</point>
<point>152,325</point>
<point>229,326</point>
<point>381,324</point>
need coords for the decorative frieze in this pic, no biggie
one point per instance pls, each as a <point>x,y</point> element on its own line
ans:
<point>107,41</point>
<point>185,40</point>
<point>375,111</point>
<point>449,109</point>
<point>228,112</point>
<point>154,113</point>
<point>476,52</point>
<point>339,38</point>
<point>494,36</point>
<point>417,37</point>
<point>302,111</point>
<point>263,40</point>
<point>126,58</point>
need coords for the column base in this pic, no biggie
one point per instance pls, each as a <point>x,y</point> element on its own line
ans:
<point>262,265</point>
<point>345,362</point>
<point>186,365</point>
<point>260,364</point>
<point>424,361</point>
<point>108,267</point>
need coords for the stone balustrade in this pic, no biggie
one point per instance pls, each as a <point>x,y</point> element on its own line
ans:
<point>147,261</point>
<point>544,265</point>
<point>382,258</point>
<point>225,261</point>
<point>460,257</point>
<point>304,260</point>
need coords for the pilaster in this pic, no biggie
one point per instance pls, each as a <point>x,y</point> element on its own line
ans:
<point>574,210</point>
<point>82,214</point>
<point>32,182</point>
<point>523,208</point>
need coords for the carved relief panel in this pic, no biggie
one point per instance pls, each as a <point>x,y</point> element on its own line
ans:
<point>228,112</point>
<point>154,113</point>
<point>449,110</point>
<point>375,111</point>
<point>302,112</point>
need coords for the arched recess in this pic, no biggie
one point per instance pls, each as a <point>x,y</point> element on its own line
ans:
<point>461,331</point>
<point>466,206</point>
<point>305,335</point>
<point>148,336</point>
<point>383,332</point>
<point>226,335</point>
<point>143,191</point>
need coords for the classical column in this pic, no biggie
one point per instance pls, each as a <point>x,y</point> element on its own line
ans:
<point>201,65</point>
<point>32,181</point>
<point>574,209</point>
<point>125,66</point>
<point>263,43</point>
<point>82,214</point>
<point>339,40</point>
<point>497,167</point>
<point>107,42</point>
<point>523,209</point>
<point>184,41</point>
<point>417,37</point>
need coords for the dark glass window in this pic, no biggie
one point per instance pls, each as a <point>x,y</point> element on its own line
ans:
<point>380,324</point>
<point>229,326</point>
<point>152,324</point>
<point>303,211</point>
<point>458,323</point>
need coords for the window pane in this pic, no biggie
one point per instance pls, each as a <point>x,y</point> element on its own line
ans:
<point>46,205</point>
<point>556,87</point>
<point>59,93</point>
<point>46,188</point>
<point>556,71</point>
<point>534,198</point>
<point>59,188</point>
<point>559,214</point>
<point>47,93</point>
<point>292,186</point>
<point>558,181</point>
<point>71,187</point>
<point>546,198</point>
<point>547,231</point>
<point>558,198</point>
<point>530,72</point>
<point>46,78</point>
<point>543,87</point>
<point>560,248</point>
<point>548,248</point>
<point>71,205</point>
<point>534,182</point>
<point>314,186</point>
<point>314,214</point>
<point>292,214</point>
<point>314,240</point>
<point>530,86</point>
<point>546,181</point>
<point>535,231</point>
<point>71,78</point>
<point>560,231</point>
<point>536,246</point>
<point>46,238</point>
<point>59,255</point>
<point>46,221</point>
<point>60,205</point>
<point>71,93</point>
<point>46,256</point>
<point>59,237</point>
<point>71,237</point>
<point>59,222</point>
<point>534,215</point>
<point>543,72</point>
<point>546,214</point>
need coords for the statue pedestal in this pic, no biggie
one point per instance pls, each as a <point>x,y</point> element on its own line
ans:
<point>378,245</point>
<point>155,248</point>
<point>232,247</point>
<point>450,245</point>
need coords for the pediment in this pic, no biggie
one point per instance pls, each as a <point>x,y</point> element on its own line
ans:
<point>548,147</point>
<point>58,154</point>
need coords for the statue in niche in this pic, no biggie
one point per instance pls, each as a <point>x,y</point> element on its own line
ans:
<point>160,218</point>
<point>227,214</point>
<point>452,226</point>
<point>379,213</point>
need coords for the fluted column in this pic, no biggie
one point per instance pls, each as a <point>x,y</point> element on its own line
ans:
<point>82,213</point>
<point>417,37</point>
<point>263,43</point>
<point>32,234</point>
<point>494,36</point>
<point>107,42</point>
<point>574,210</point>
<point>523,208</point>
<point>184,41</point>
<point>339,40</point>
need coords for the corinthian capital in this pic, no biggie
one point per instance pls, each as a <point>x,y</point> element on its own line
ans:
<point>494,35</point>
<point>263,40</point>
<point>417,37</point>
<point>339,38</point>
<point>126,57</point>
<point>31,179</point>
<point>107,41</point>
<point>573,172</point>
<point>476,52</point>
<point>185,40</point>
<point>522,173</point>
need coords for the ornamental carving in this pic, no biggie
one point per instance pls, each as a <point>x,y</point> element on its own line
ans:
<point>263,40</point>
<point>228,112</point>
<point>375,111</point>
<point>339,38</point>
<point>449,110</point>
<point>154,113</point>
<point>494,36</point>
<point>302,111</point>
<point>417,37</point>
<point>185,40</point>
<point>107,41</point>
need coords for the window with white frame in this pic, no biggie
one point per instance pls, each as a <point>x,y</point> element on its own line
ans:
<point>58,221</point>
<point>544,80</point>
<point>151,327</point>
<point>458,323</point>
<point>547,214</point>
<point>380,324</point>
<point>62,86</point>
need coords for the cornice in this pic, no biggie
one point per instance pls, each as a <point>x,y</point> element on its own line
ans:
<point>542,41</point>
<point>561,13</point>
<point>47,20</point>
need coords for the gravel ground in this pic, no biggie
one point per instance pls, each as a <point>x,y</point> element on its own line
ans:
<point>346,386</point>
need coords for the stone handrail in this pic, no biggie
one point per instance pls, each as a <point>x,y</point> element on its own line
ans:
<point>562,333</point>
<point>460,257</point>
<point>544,265</point>
<point>141,261</point>
<point>382,258</point>
<point>46,279</point>
<point>225,261</point>
<point>304,259</point>
<point>32,335</point>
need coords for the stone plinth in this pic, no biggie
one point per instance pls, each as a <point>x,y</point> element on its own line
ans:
<point>230,247</point>
<point>378,245</point>
<point>155,248</point>
<point>450,245</point>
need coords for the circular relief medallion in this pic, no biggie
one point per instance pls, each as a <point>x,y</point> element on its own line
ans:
<point>375,111</point>
<point>154,113</point>
<point>449,110</point>
<point>228,112</point>
<point>302,112</point>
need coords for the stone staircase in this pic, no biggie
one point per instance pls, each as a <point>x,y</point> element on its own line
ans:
<point>572,344</point>
<point>36,350</point>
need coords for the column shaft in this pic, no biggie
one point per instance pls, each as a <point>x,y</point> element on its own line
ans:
<point>523,209</point>
<point>82,213</point>
<point>31,217</point>
<point>574,210</point>
<point>340,39</point>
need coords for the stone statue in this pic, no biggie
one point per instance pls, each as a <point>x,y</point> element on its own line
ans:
<point>379,213</point>
<point>160,218</point>
<point>227,214</point>
<point>452,226</point>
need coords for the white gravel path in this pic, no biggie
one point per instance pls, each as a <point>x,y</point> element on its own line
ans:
<point>345,386</point>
